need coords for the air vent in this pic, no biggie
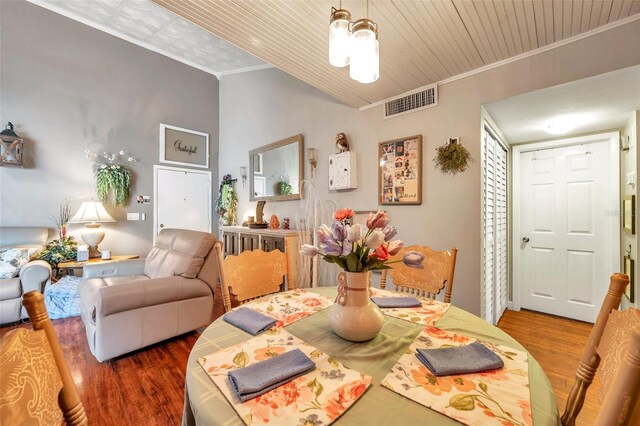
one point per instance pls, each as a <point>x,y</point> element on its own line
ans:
<point>416,101</point>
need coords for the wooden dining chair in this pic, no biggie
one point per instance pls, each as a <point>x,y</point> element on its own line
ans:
<point>249,275</point>
<point>438,272</point>
<point>613,350</point>
<point>37,386</point>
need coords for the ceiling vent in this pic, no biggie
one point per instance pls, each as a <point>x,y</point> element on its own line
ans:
<point>416,101</point>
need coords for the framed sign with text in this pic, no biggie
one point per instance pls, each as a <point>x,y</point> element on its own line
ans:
<point>400,171</point>
<point>183,146</point>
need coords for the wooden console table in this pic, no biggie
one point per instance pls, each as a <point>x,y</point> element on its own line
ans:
<point>237,239</point>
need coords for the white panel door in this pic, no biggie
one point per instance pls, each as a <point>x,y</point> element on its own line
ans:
<point>182,199</point>
<point>564,225</point>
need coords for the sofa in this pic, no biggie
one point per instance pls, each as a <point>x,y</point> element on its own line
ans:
<point>131,304</point>
<point>34,275</point>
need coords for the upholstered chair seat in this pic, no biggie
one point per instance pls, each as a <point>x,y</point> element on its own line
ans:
<point>131,304</point>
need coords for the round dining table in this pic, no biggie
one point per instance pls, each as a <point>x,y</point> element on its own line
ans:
<point>206,405</point>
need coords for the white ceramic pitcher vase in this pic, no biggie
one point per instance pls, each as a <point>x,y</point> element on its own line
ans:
<point>354,316</point>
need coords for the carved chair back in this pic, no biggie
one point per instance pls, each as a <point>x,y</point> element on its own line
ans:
<point>438,272</point>
<point>614,342</point>
<point>251,274</point>
<point>37,386</point>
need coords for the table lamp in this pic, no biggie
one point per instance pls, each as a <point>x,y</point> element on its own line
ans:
<point>92,213</point>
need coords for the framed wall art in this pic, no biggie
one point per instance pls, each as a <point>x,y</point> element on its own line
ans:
<point>400,171</point>
<point>628,269</point>
<point>629,214</point>
<point>183,146</point>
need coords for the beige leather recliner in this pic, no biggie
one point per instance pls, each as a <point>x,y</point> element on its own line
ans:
<point>35,275</point>
<point>131,304</point>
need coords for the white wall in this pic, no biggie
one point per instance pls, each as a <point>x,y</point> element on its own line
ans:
<point>262,107</point>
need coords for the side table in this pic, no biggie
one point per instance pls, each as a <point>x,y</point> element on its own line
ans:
<point>72,265</point>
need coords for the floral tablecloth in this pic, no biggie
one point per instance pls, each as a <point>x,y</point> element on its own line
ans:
<point>428,314</point>
<point>316,398</point>
<point>290,306</point>
<point>495,397</point>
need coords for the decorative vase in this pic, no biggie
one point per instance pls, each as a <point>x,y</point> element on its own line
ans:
<point>354,316</point>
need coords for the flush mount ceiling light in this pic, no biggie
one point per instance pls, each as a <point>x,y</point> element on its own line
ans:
<point>354,44</point>
<point>564,124</point>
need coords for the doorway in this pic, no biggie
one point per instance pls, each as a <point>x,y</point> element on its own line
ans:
<point>566,239</point>
<point>182,199</point>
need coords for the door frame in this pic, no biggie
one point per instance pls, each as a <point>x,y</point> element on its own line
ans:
<point>157,167</point>
<point>613,201</point>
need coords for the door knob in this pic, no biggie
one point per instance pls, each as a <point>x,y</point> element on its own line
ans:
<point>525,240</point>
<point>162,225</point>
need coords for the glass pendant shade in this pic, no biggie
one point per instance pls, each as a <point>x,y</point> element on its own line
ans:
<point>364,54</point>
<point>339,37</point>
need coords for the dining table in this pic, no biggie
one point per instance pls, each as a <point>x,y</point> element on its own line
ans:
<point>206,405</point>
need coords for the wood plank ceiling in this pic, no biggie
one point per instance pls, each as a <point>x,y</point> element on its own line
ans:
<point>421,42</point>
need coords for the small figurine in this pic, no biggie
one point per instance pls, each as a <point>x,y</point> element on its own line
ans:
<point>342,143</point>
<point>286,224</point>
<point>274,223</point>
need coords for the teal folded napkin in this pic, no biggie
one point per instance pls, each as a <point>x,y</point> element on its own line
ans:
<point>259,378</point>
<point>249,320</point>
<point>471,358</point>
<point>396,302</point>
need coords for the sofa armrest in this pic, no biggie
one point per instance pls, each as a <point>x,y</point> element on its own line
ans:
<point>34,276</point>
<point>113,269</point>
<point>139,294</point>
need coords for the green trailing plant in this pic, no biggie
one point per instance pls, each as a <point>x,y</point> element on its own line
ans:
<point>452,158</point>
<point>114,178</point>
<point>227,201</point>
<point>60,250</point>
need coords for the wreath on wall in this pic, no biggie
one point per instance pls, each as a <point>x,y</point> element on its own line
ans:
<point>227,201</point>
<point>452,157</point>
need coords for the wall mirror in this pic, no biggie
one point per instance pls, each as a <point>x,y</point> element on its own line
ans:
<point>277,170</point>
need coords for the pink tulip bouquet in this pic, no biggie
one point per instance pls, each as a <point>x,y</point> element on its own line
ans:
<point>356,249</point>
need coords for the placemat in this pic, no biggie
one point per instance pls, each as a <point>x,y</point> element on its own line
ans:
<point>429,314</point>
<point>495,397</point>
<point>290,306</point>
<point>317,398</point>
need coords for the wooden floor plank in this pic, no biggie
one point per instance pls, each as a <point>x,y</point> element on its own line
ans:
<point>556,343</point>
<point>146,387</point>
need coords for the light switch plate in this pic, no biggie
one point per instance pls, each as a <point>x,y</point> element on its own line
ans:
<point>133,216</point>
<point>143,216</point>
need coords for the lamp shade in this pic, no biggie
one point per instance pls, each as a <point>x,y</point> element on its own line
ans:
<point>364,51</point>
<point>339,37</point>
<point>91,212</point>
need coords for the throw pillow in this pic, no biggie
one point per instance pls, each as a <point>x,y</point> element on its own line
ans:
<point>12,259</point>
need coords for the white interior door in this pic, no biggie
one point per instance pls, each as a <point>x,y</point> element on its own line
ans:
<point>566,235</point>
<point>495,232</point>
<point>182,199</point>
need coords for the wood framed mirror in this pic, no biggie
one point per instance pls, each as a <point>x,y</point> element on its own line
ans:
<point>277,170</point>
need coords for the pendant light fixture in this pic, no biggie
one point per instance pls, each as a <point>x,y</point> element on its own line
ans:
<point>365,51</point>
<point>354,44</point>
<point>339,37</point>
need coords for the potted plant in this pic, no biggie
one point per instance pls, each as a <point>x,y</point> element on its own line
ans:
<point>358,250</point>
<point>227,201</point>
<point>113,176</point>
<point>65,247</point>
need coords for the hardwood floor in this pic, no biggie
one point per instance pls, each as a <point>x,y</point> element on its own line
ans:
<point>142,388</point>
<point>146,387</point>
<point>557,344</point>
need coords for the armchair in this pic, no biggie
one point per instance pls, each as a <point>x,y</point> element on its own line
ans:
<point>35,275</point>
<point>132,304</point>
